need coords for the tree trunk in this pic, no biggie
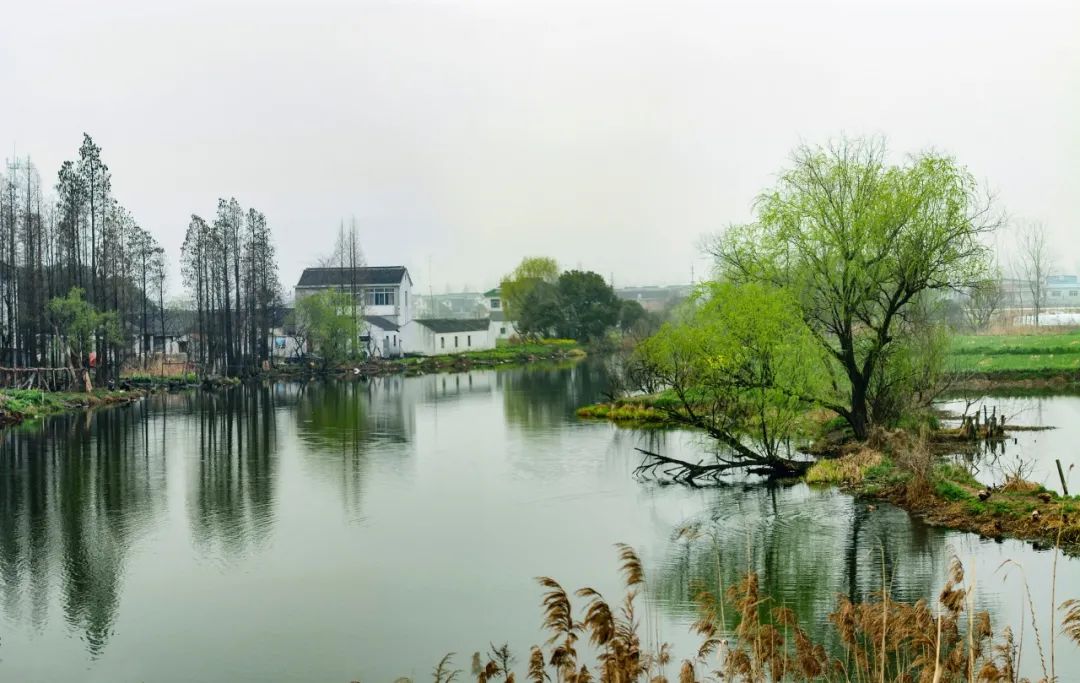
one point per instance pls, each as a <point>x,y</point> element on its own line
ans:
<point>859,418</point>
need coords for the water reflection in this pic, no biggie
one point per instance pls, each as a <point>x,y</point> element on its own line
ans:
<point>808,546</point>
<point>231,488</point>
<point>226,525</point>
<point>539,396</point>
<point>75,494</point>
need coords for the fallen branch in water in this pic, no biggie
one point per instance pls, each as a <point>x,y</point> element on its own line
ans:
<point>684,472</point>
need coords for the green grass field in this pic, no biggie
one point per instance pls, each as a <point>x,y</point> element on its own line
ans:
<point>1042,352</point>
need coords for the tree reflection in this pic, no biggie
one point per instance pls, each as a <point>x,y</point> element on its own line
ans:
<point>75,492</point>
<point>342,421</point>
<point>542,395</point>
<point>232,489</point>
<point>807,546</point>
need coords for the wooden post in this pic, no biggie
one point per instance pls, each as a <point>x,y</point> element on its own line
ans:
<point>1061,475</point>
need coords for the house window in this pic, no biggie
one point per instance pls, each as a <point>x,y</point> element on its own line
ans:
<point>495,303</point>
<point>468,340</point>
<point>502,330</point>
<point>442,342</point>
<point>379,296</point>
<point>455,341</point>
<point>1074,292</point>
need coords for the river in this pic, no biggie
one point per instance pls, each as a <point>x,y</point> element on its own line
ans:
<point>360,530</point>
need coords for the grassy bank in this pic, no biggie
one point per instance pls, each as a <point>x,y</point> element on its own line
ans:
<point>20,405</point>
<point>909,472</point>
<point>906,472</point>
<point>504,353</point>
<point>634,411</point>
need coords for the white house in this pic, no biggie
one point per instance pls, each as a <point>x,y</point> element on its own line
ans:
<point>386,296</point>
<point>493,300</point>
<point>384,290</point>
<point>434,337</point>
<point>384,337</point>
<point>499,327</point>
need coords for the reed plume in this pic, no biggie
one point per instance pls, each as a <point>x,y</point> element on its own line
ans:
<point>881,640</point>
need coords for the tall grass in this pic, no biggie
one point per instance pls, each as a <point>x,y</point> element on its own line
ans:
<point>881,640</point>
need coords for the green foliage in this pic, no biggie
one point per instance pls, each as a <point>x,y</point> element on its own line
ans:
<point>858,242</point>
<point>633,413</point>
<point>911,371</point>
<point>587,305</point>
<point>327,320</point>
<point>505,353</point>
<point>78,323</point>
<point>635,320</point>
<point>538,311</point>
<point>517,286</point>
<point>576,304</point>
<point>739,366</point>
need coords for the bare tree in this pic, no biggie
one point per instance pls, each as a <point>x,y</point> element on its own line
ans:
<point>348,255</point>
<point>1034,264</point>
<point>985,300</point>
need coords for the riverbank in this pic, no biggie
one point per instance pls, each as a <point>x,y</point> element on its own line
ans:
<point>22,405</point>
<point>905,472</point>
<point>910,472</point>
<point>644,411</point>
<point>501,355</point>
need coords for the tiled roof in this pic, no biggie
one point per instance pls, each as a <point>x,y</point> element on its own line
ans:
<point>178,322</point>
<point>382,323</point>
<point>445,325</point>
<point>339,277</point>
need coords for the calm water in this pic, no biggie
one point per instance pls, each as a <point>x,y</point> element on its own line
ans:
<point>333,532</point>
<point>1032,452</point>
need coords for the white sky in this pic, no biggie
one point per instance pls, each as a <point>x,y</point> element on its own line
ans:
<point>609,135</point>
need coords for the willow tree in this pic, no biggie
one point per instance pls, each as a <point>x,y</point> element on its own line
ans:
<point>517,287</point>
<point>327,323</point>
<point>860,243</point>
<point>737,366</point>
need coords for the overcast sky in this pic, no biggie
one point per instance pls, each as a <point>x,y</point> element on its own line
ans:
<point>611,136</point>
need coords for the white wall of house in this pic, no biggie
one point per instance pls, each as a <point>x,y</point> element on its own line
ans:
<point>170,344</point>
<point>501,329</point>
<point>390,301</point>
<point>424,340</point>
<point>383,342</point>
<point>282,346</point>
